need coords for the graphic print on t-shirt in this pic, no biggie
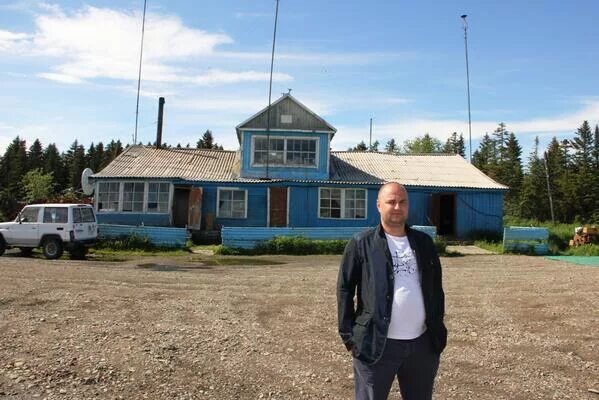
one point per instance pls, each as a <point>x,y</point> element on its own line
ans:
<point>404,263</point>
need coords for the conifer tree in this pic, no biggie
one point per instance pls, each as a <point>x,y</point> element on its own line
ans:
<point>455,145</point>
<point>483,158</point>
<point>585,189</point>
<point>557,170</point>
<point>53,164</point>
<point>534,202</point>
<point>359,147</point>
<point>422,145</point>
<point>35,156</point>
<point>13,167</point>
<point>391,146</point>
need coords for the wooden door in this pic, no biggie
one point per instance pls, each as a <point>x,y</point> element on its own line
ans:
<point>278,207</point>
<point>195,209</point>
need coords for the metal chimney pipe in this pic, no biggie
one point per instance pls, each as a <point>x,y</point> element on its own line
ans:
<point>159,129</point>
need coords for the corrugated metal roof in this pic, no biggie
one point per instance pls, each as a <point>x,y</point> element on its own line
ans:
<point>439,170</point>
<point>346,168</point>
<point>183,163</point>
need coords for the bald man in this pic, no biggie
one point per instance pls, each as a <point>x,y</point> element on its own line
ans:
<point>395,327</point>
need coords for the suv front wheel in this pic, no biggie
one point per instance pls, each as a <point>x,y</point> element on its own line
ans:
<point>2,245</point>
<point>52,248</point>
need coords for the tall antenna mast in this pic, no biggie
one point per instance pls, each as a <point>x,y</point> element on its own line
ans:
<point>272,62</point>
<point>468,84</point>
<point>141,52</point>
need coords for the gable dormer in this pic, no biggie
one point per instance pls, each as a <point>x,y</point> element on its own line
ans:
<point>288,142</point>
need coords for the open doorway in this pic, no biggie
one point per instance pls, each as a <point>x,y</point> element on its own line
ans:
<point>443,213</point>
<point>181,207</point>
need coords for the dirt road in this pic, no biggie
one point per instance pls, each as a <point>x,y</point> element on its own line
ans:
<point>520,328</point>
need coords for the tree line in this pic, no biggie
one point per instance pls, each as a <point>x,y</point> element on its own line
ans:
<point>560,183</point>
<point>36,173</point>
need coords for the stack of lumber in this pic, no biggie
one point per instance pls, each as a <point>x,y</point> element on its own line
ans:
<point>585,235</point>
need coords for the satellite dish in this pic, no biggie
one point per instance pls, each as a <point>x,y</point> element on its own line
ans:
<point>86,185</point>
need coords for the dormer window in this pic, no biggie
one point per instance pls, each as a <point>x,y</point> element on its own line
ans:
<point>285,151</point>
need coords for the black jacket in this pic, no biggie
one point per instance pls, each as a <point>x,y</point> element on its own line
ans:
<point>366,271</point>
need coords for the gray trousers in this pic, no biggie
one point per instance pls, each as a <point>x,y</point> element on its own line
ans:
<point>413,362</point>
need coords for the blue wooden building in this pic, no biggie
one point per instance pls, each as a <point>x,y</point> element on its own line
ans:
<point>285,175</point>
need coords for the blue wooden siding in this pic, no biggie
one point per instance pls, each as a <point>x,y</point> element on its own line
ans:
<point>303,208</point>
<point>159,236</point>
<point>152,219</point>
<point>479,211</point>
<point>256,208</point>
<point>525,239</point>
<point>248,238</point>
<point>321,172</point>
<point>476,210</point>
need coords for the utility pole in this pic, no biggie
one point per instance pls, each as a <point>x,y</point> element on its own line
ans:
<point>272,62</point>
<point>141,52</point>
<point>548,188</point>
<point>468,85</point>
<point>370,140</point>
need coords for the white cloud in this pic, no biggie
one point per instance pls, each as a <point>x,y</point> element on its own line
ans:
<point>97,43</point>
<point>12,41</point>
<point>60,78</point>
<point>217,76</point>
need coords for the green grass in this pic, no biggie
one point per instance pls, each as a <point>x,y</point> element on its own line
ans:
<point>559,238</point>
<point>495,247</point>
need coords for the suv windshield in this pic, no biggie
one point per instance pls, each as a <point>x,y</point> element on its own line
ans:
<point>83,214</point>
<point>28,214</point>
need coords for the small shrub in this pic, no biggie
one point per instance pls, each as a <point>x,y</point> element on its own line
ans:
<point>127,242</point>
<point>584,250</point>
<point>293,245</point>
<point>441,245</point>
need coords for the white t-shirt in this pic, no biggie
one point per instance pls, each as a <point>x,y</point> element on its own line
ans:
<point>407,314</point>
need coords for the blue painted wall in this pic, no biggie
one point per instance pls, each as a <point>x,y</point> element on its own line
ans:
<point>256,210</point>
<point>476,210</point>
<point>133,219</point>
<point>303,207</point>
<point>321,172</point>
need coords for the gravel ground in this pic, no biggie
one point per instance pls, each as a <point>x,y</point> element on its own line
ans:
<point>177,328</point>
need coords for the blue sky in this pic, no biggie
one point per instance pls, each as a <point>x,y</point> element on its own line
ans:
<point>69,68</point>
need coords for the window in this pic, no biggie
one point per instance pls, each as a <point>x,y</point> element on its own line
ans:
<point>232,203</point>
<point>261,150</point>
<point>133,196</point>
<point>301,152</point>
<point>83,214</point>
<point>285,152</point>
<point>342,203</point>
<point>29,214</point>
<point>56,215</point>
<point>158,196</point>
<point>108,196</point>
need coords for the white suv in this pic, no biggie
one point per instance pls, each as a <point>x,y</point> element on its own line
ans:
<point>54,227</point>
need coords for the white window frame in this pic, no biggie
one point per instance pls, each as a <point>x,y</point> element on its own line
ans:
<point>119,203</point>
<point>168,203</point>
<point>219,189</point>
<point>285,138</point>
<point>121,191</point>
<point>342,211</point>
<point>143,201</point>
